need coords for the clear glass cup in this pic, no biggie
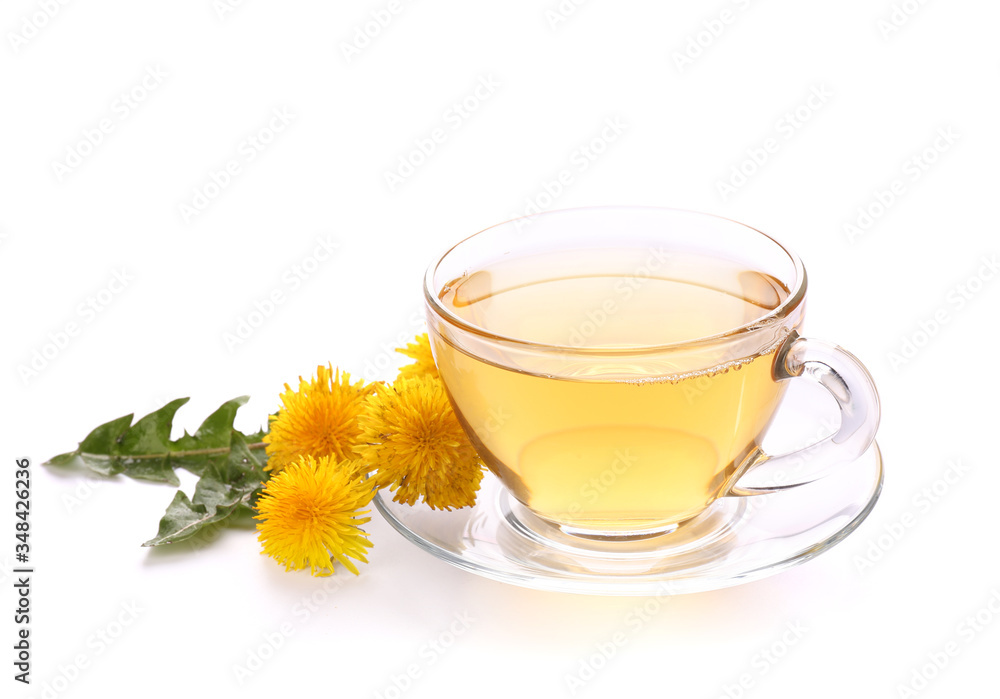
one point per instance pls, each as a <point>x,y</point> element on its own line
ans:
<point>617,368</point>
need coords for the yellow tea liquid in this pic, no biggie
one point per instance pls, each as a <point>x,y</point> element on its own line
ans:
<point>611,443</point>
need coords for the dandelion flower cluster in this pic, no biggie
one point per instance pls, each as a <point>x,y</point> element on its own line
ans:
<point>309,516</point>
<point>319,419</point>
<point>414,441</point>
<point>419,350</point>
<point>329,434</point>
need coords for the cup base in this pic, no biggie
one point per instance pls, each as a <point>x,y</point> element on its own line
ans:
<point>617,536</point>
<point>545,527</point>
<point>713,524</point>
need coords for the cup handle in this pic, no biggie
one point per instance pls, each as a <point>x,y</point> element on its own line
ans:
<point>850,384</point>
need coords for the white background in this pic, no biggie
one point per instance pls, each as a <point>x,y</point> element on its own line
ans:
<point>889,89</point>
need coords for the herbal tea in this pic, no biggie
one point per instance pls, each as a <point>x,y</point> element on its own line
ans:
<point>593,437</point>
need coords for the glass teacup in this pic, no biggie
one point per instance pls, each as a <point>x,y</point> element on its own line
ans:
<point>617,368</point>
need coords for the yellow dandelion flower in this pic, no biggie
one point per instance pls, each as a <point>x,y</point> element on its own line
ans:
<point>309,515</point>
<point>420,350</point>
<point>415,443</point>
<point>320,419</point>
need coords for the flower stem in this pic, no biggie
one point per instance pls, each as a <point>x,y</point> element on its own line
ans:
<point>189,452</point>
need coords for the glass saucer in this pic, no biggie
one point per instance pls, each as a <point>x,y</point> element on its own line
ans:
<point>736,540</point>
